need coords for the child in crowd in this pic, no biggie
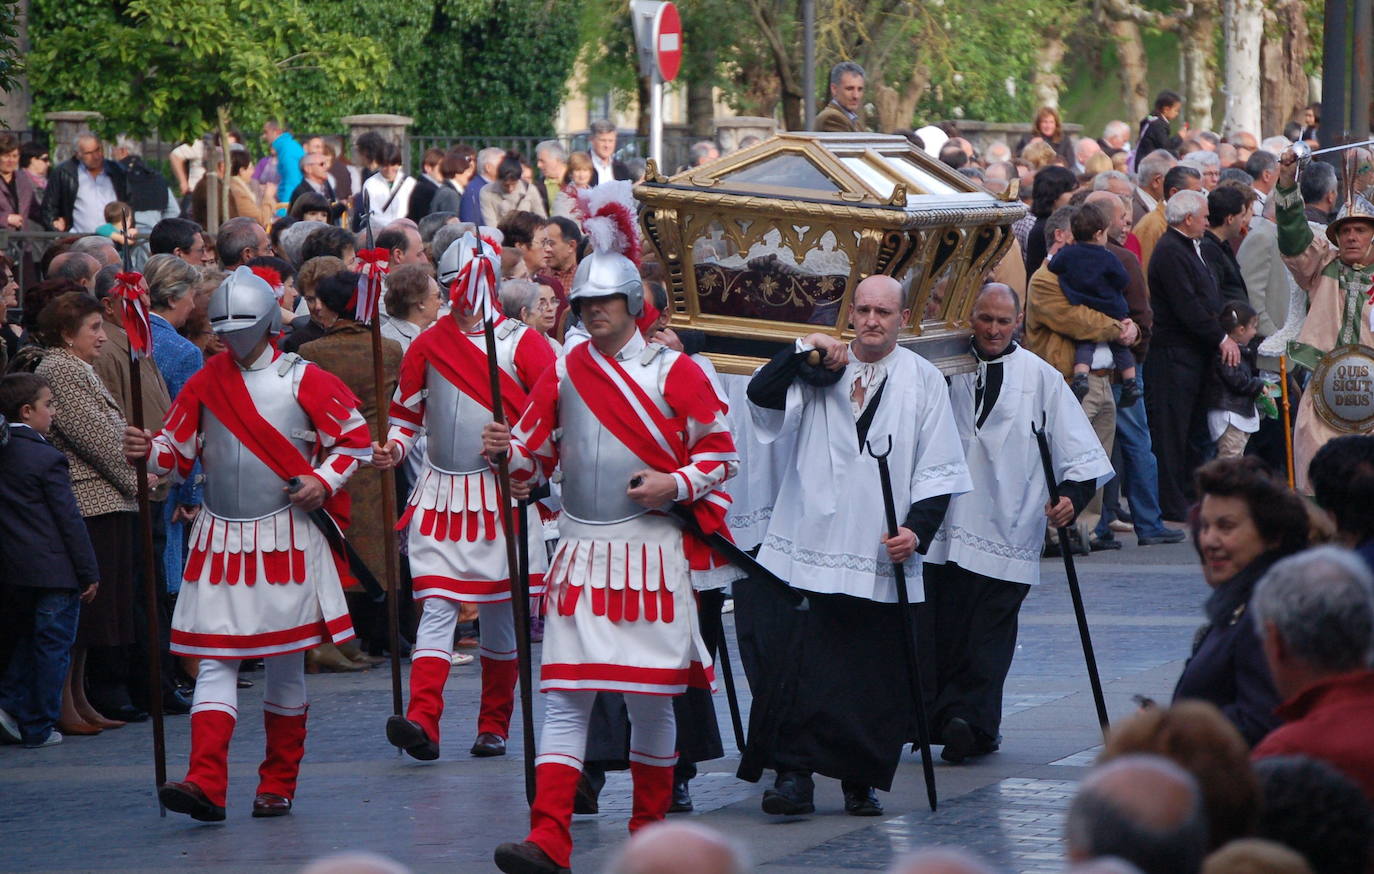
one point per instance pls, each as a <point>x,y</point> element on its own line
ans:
<point>1232,390</point>
<point>46,559</point>
<point>1155,129</point>
<point>118,216</point>
<point>1091,276</point>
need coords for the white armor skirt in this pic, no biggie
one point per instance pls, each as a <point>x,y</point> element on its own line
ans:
<point>259,588</point>
<point>456,544</point>
<point>621,615</point>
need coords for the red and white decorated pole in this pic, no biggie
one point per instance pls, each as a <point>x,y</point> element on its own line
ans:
<point>132,293</point>
<point>367,310</point>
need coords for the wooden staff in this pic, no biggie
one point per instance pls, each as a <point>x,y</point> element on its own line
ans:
<point>1287,424</point>
<point>379,430</point>
<point>520,605</point>
<point>145,524</point>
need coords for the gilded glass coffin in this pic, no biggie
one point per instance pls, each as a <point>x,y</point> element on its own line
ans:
<point>768,243</point>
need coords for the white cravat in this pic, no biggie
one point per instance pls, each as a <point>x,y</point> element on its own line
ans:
<point>867,378</point>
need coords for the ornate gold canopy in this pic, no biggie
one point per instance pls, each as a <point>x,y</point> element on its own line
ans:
<point>767,244</point>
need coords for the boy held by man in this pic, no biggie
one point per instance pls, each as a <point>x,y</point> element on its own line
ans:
<point>118,217</point>
<point>47,565</point>
<point>1090,275</point>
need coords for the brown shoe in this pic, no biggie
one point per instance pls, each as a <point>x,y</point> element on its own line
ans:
<point>270,804</point>
<point>188,798</point>
<point>488,744</point>
<point>526,858</point>
<point>78,728</point>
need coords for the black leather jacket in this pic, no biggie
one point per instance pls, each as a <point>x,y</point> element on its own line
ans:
<point>60,197</point>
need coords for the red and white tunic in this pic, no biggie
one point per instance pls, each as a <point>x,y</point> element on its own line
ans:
<point>456,543</point>
<point>260,577</point>
<point>621,613</point>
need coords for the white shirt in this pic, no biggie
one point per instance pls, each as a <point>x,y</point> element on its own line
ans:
<point>605,172</point>
<point>193,154</point>
<point>93,192</point>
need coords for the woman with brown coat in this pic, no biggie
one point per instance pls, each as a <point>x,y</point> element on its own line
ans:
<point>89,429</point>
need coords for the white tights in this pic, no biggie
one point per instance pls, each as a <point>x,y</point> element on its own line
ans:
<point>653,730</point>
<point>434,636</point>
<point>217,685</point>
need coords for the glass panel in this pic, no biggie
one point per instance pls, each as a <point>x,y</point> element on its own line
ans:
<point>784,171</point>
<point>926,182</point>
<point>769,281</point>
<point>872,176</point>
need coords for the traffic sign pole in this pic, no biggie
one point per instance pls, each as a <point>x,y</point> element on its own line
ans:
<point>658,33</point>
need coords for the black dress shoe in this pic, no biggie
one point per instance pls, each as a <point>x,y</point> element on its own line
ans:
<point>1107,542</point>
<point>682,798</point>
<point>586,800</point>
<point>188,798</point>
<point>270,804</point>
<point>860,800</point>
<point>409,736</point>
<point>792,794</point>
<point>245,684</point>
<point>488,744</point>
<point>175,703</point>
<point>959,741</point>
<point>526,858</point>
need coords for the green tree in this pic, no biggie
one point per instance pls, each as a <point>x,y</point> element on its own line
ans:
<point>495,67</point>
<point>11,62</point>
<point>151,65</point>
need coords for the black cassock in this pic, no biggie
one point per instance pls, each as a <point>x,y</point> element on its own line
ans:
<point>829,683</point>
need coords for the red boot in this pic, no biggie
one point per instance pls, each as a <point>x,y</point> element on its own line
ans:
<point>498,696</point>
<point>282,764</point>
<point>427,678</point>
<point>653,792</point>
<point>207,776</point>
<point>551,814</point>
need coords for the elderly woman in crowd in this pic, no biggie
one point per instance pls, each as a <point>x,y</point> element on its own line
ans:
<point>345,350</point>
<point>531,303</point>
<point>1246,521</point>
<point>89,429</point>
<point>172,290</point>
<point>246,197</point>
<point>412,303</point>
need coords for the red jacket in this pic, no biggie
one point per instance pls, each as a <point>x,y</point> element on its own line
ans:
<point>1330,721</point>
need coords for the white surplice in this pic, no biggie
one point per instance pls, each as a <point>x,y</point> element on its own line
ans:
<point>998,528</point>
<point>827,523</point>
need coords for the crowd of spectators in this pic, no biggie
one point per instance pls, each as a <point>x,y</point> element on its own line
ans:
<point>1151,274</point>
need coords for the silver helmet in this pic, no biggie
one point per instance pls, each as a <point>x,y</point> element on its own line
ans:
<point>602,274</point>
<point>460,252</point>
<point>243,310</point>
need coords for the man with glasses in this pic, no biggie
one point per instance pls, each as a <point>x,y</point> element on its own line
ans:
<point>315,178</point>
<point>81,187</point>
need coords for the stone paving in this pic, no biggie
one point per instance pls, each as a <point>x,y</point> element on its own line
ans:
<point>88,804</point>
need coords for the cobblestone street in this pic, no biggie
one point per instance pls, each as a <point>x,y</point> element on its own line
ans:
<point>88,805</point>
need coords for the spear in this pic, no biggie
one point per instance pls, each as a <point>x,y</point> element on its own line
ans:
<point>369,312</point>
<point>130,288</point>
<point>478,297</point>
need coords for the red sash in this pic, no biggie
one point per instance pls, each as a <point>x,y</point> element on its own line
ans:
<point>460,362</point>
<point>615,412</point>
<point>219,386</point>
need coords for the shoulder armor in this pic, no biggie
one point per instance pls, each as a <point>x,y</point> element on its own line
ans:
<point>287,361</point>
<point>508,327</point>
<point>651,351</point>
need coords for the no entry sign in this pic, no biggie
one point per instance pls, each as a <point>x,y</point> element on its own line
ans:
<point>668,41</point>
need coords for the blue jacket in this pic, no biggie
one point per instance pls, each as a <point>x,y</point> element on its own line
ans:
<point>1092,276</point>
<point>43,540</point>
<point>289,154</point>
<point>470,207</point>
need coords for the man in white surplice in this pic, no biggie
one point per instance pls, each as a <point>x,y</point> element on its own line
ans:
<point>986,556</point>
<point>827,536</point>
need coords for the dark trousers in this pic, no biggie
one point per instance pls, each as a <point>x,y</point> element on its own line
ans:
<point>31,690</point>
<point>1174,378</point>
<point>969,637</point>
